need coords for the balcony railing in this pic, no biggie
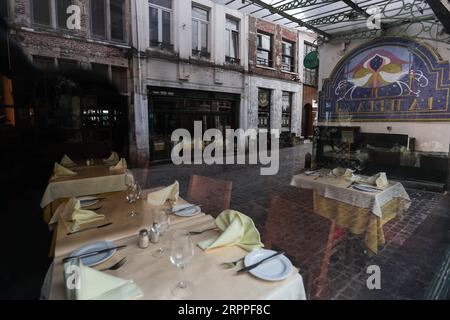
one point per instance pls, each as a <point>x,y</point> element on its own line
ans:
<point>161,45</point>
<point>232,60</point>
<point>201,53</point>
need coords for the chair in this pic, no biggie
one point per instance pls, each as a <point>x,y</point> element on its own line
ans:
<point>213,194</point>
<point>305,236</point>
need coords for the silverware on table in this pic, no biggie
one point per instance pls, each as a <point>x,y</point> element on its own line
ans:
<point>253,266</point>
<point>229,265</point>
<point>93,253</point>
<point>186,208</point>
<point>90,228</point>
<point>117,265</point>
<point>193,233</point>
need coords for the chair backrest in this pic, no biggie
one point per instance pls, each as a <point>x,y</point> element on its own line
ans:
<point>304,235</point>
<point>213,194</point>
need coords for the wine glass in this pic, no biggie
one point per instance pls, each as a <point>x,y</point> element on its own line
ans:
<point>161,221</point>
<point>133,194</point>
<point>181,256</point>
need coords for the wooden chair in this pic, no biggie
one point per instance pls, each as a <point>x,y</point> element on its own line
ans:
<point>306,237</point>
<point>213,194</point>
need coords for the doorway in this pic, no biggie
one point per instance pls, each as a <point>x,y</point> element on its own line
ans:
<point>307,121</point>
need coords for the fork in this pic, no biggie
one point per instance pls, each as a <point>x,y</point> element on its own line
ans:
<point>117,265</point>
<point>229,265</point>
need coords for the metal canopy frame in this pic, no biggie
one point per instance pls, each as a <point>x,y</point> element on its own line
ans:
<point>339,19</point>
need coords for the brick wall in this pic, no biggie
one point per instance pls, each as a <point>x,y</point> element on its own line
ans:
<point>279,33</point>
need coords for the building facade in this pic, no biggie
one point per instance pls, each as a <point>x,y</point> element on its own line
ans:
<point>75,50</point>
<point>199,60</point>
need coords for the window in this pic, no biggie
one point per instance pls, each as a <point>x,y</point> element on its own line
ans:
<point>67,64</point>
<point>104,13</point>
<point>41,12</point>
<point>61,12</point>
<point>264,96</point>
<point>3,8</point>
<point>98,18</point>
<point>200,29</point>
<point>310,75</point>
<point>264,50</point>
<point>287,56</point>
<point>101,70</point>
<point>286,111</point>
<point>232,40</point>
<point>44,63</point>
<point>117,8</point>
<point>119,78</point>
<point>160,23</point>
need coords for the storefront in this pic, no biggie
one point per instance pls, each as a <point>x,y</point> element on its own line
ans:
<point>170,109</point>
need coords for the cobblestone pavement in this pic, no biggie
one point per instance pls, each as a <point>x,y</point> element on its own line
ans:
<point>402,277</point>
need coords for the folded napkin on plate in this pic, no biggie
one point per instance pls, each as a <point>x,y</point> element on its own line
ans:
<point>341,172</point>
<point>380,180</point>
<point>84,283</point>
<point>121,165</point>
<point>67,162</point>
<point>75,216</point>
<point>158,198</point>
<point>60,171</point>
<point>113,157</point>
<point>237,230</point>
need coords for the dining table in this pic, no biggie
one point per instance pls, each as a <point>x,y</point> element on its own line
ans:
<point>359,211</point>
<point>89,180</point>
<point>157,276</point>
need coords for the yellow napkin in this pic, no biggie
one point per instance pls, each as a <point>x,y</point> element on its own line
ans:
<point>380,180</point>
<point>77,217</point>
<point>113,157</point>
<point>67,162</point>
<point>237,230</point>
<point>121,165</point>
<point>84,283</point>
<point>60,171</point>
<point>158,198</point>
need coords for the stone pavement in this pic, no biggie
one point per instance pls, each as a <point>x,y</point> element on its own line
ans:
<point>405,274</point>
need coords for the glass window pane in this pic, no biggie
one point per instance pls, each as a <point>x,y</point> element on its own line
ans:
<point>119,78</point>
<point>232,24</point>
<point>204,39</point>
<point>67,65</point>
<point>98,17</point>
<point>166,27</point>
<point>61,12</point>
<point>264,41</point>
<point>195,35</point>
<point>235,45</point>
<point>41,11</point>
<point>3,8</point>
<point>162,3</point>
<point>44,63</point>
<point>100,70</point>
<point>154,24</point>
<point>200,13</point>
<point>227,43</point>
<point>117,19</point>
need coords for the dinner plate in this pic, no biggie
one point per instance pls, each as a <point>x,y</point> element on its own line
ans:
<point>188,212</point>
<point>88,201</point>
<point>310,173</point>
<point>276,269</point>
<point>365,188</point>
<point>95,246</point>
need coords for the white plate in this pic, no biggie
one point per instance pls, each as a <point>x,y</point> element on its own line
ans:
<point>188,212</point>
<point>88,201</point>
<point>95,246</point>
<point>310,173</point>
<point>277,269</point>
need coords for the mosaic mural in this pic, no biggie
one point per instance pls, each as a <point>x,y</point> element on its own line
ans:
<point>390,79</point>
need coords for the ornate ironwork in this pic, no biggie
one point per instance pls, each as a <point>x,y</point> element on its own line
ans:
<point>297,4</point>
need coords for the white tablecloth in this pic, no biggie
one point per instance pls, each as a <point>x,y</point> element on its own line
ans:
<point>337,189</point>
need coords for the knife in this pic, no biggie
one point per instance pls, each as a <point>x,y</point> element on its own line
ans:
<point>93,253</point>
<point>252,266</point>
<point>190,207</point>
<point>90,228</point>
